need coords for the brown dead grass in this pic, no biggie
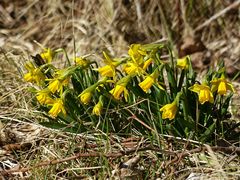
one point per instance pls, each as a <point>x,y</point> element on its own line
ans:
<point>89,27</point>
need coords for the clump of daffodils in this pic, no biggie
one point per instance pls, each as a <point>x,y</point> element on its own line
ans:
<point>86,94</point>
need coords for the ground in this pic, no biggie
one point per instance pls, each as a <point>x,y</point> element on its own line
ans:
<point>206,30</point>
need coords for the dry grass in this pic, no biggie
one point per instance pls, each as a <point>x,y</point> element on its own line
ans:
<point>90,27</point>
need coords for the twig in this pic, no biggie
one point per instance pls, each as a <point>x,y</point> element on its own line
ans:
<point>134,117</point>
<point>86,155</point>
<point>122,153</point>
<point>214,17</point>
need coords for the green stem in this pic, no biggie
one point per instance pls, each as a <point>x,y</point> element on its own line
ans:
<point>197,117</point>
<point>181,80</point>
<point>220,117</point>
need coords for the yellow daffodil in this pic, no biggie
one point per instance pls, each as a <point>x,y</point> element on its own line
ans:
<point>221,86</point>
<point>137,53</point>
<point>118,90</point>
<point>85,97</point>
<point>132,68</point>
<point>47,55</point>
<point>147,63</point>
<point>147,83</point>
<point>136,65</point>
<point>169,110</point>
<point>61,79</point>
<point>44,97</point>
<point>56,85</point>
<point>109,70</point>
<point>106,71</point>
<point>204,93</point>
<point>87,94</point>
<point>34,74</point>
<point>97,109</point>
<point>29,66</point>
<point>57,107</point>
<point>81,62</point>
<point>183,63</point>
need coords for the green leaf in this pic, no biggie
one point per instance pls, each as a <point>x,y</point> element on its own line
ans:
<point>171,80</point>
<point>208,132</point>
<point>225,105</point>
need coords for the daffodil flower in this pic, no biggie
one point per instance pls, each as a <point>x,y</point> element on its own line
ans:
<point>47,55</point>
<point>137,53</point>
<point>87,94</point>
<point>169,110</point>
<point>97,109</point>
<point>57,107</point>
<point>121,88</point>
<point>44,97</point>
<point>34,74</point>
<point>106,71</point>
<point>147,83</point>
<point>56,85</point>
<point>81,62</point>
<point>221,86</point>
<point>132,68</point>
<point>204,93</point>
<point>109,70</point>
<point>137,64</point>
<point>183,63</point>
<point>85,97</point>
<point>61,79</point>
<point>118,90</point>
<point>147,63</point>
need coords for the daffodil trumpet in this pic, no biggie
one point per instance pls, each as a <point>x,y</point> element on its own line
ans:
<point>169,111</point>
<point>120,88</point>
<point>60,80</point>
<point>43,97</point>
<point>221,85</point>
<point>204,93</point>
<point>97,109</point>
<point>34,75</point>
<point>183,63</point>
<point>82,62</point>
<point>87,94</point>
<point>47,55</point>
<point>149,81</point>
<point>109,70</point>
<point>57,107</point>
<point>137,53</point>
